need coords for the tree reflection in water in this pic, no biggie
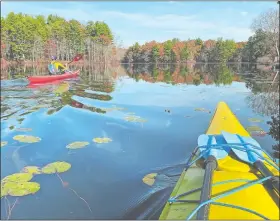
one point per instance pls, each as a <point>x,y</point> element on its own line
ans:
<point>264,100</point>
<point>274,132</point>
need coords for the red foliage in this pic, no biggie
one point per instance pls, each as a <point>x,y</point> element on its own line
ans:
<point>240,44</point>
<point>161,50</point>
<point>209,44</point>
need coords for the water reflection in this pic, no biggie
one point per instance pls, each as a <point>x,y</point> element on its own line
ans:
<point>219,74</point>
<point>274,132</point>
<point>149,113</point>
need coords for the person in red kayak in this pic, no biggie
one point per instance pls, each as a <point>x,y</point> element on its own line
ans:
<point>56,67</point>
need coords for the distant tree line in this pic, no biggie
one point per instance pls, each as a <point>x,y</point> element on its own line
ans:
<point>35,38</point>
<point>181,51</point>
<point>264,43</point>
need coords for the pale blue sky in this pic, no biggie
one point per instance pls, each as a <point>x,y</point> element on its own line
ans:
<point>160,21</point>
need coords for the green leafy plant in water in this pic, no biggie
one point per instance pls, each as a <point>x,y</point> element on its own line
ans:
<point>133,118</point>
<point>56,167</point>
<point>149,179</point>
<point>202,109</point>
<point>77,145</point>
<point>254,129</point>
<point>113,108</point>
<point>12,127</point>
<point>17,177</point>
<point>255,120</point>
<point>27,138</point>
<point>4,143</point>
<point>102,140</point>
<point>31,170</point>
<point>130,113</point>
<point>19,188</point>
<point>23,129</point>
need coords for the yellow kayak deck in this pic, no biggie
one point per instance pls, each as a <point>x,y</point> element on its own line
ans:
<point>256,198</point>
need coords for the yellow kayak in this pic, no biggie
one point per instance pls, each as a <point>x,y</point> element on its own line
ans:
<point>235,188</point>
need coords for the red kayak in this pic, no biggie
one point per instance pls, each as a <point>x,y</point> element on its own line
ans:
<point>48,78</point>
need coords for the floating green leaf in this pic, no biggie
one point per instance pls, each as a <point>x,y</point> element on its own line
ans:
<point>132,118</point>
<point>77,145</point>
<point>255,120</point>
<point>130,113</point>
<point>26,138</point>
<point>113,108</point>
<point>4,143</point>
<point>23,129</point>
<point>17,177</point>
<point>102,140</point>
<point>31,169</point>
<point>254,129</point>
<point>19,189</point>
<point>56,167</point>
<point>202,109</point>
<point>4,190</point>
<point>149,179</point>
<point>12,127</point>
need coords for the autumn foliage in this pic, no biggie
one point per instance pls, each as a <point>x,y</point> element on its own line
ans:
<point>176,51</point>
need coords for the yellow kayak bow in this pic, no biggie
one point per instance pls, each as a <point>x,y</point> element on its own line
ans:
<point>222,180</point>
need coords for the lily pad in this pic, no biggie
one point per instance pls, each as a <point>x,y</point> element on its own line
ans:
<point>255,120</point>
<point>133,118</point>
<point>4,190</point>
<point>130,113</point>
<point>56,167</point>
<point>102,140</point>
<point>149,179</point>
<point>31,169</point>
<point>17,177</point>
<point>23,129</point>
<point>19,189</point>
<point>77,145</point>
<point>202,110</point>
<point>26,138</point>
<point>254,129</point>
<point>113,108</point>
<point>4,143</point>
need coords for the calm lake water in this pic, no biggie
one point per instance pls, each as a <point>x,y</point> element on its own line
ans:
<point>103,102</point>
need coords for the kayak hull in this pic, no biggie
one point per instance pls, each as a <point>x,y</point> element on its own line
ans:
<point>256,198</point>
<point>51,78</point>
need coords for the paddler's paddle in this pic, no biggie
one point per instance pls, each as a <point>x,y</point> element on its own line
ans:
<point>76,58</point>
<point>249,155</point>
<point>211,164</point>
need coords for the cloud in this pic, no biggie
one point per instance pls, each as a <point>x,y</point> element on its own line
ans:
<point>165,21</point>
